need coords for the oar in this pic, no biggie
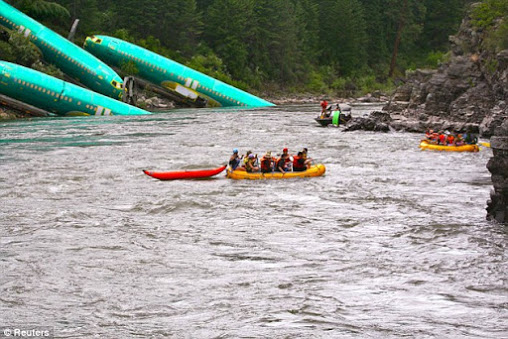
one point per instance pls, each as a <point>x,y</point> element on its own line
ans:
<point>485,144</point>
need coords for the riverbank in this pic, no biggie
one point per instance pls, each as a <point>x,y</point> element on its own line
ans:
<point>155,103</point>
<point>10,114</point>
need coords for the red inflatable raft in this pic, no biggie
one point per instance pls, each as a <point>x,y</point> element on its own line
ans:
<point>189,174</point>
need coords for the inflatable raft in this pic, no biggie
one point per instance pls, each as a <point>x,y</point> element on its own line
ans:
<point>314,171</point>
<point>425,145</point>
<point>336,118</point>
<point>188,174</point>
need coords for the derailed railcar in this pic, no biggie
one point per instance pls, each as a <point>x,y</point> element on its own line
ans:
<point>170,74</point>
<point>57,96</point>
<point>70,58</point>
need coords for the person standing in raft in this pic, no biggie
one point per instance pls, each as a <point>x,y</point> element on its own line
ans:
<point>324,107</point>
<point>234,160</point>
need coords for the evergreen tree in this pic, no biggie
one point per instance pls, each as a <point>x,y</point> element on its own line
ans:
<point>227,33</point>
<point>41,9</point>
<point>180,25</point>
<point>343,35</point>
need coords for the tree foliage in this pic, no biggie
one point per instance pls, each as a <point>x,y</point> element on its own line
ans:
<point>42,9</point>
<point>307,44</point>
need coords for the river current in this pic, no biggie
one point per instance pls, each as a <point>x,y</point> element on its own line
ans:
<point>391,242</point>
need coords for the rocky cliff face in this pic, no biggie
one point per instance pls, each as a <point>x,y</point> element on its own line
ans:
<point>497,208</point>
<point>469,92</point>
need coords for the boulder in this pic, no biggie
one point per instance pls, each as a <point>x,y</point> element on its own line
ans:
<point>375,121</point>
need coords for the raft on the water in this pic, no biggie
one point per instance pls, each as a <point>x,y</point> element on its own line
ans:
<point>314,171</point>
<point>425,145</point>
<point>336,118</point>
<point>188,174</point>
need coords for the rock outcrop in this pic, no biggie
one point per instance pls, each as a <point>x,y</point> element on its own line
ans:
<point>497,207</point>
<point>469,92</point>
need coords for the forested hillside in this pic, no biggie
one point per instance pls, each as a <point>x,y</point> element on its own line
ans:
<point>324,46</point>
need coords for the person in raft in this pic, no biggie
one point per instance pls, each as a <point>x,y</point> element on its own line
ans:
<point>308,161</point>
<point>234,160</point>
<point>288,163</point>
<point>450,139</point>
<point>441,139</point>
<point>470,138</point>
<point>324,108</point>
<point>267,163</point>
<point>281,163</point>
<point>431,136</point>
<point>246,159</point>
<point>250,165</point>
<point>459,141</point>
<point>299,163</point>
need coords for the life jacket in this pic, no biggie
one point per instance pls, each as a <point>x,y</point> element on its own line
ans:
<point>298,166</point>
<point>280,163</point>
<point>266,164</point>
<point>450,139</point>
<point>442,139</point>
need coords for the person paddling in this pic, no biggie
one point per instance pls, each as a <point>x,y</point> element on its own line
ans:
<point>267,163</point>
<point>234,160</point>
<point>250,165</point>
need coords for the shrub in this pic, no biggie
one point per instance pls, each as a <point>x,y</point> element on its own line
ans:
<point>486,13</point>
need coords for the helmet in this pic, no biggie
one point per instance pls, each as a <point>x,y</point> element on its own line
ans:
<point>235,150</point>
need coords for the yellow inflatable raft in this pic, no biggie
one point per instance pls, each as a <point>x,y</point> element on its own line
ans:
<point>425,145</point>
<point>314,171</point>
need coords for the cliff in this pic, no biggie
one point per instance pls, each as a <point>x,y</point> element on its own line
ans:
<point>497,207</point>
<point>468,92</point>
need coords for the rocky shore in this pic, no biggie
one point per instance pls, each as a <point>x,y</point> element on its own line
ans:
<point>467,93</point>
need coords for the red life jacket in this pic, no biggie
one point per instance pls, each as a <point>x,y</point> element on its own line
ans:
<point>266,164</point>
<point>296,165</point>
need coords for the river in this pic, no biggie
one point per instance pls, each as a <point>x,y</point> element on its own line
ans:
<point>391,242</point>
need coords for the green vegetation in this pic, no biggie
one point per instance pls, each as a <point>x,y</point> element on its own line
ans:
<point>492,15</point>
<point>20,50</point>
<point>486,13</point>
<point>343,47</point>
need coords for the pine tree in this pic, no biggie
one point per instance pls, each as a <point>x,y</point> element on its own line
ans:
<point>227,33</point>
